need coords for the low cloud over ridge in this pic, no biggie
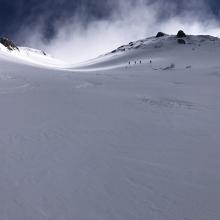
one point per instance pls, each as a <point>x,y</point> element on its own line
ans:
<point>79,38</point>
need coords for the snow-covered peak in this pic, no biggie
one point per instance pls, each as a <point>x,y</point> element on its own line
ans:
<point>180,50</point>
<point>167,40</point>
<point>9,51</point>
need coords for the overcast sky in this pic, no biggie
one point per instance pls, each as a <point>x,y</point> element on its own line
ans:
<point>76,24</point>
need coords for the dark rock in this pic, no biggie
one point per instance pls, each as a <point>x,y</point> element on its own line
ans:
<point>181,41</point>
<point>160,34</point>
<point>181,34</point>
<point>8,43</point>
<point>114,51</point>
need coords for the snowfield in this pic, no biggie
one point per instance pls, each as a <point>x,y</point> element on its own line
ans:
<point>109,140</point>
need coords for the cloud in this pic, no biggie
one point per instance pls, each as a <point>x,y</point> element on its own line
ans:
<point>79,38</point>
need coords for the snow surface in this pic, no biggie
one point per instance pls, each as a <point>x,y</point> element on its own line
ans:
<point>108,140</point>
<point>30,56</point>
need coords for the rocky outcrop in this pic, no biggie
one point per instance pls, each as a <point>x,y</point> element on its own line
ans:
<point>160,34</point>
<point>10,45</point>
<point>181,34</point>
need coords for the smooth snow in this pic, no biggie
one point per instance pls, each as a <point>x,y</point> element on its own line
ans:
<point>30,56</point>
<point>111,140</point>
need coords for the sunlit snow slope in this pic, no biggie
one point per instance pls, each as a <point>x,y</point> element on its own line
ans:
<point>30,56</point>
<point>199,51</point>
<point>111,140</point>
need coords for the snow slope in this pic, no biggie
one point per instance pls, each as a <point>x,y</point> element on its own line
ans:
<point>109,140</point>
<point>162,51</point>
<point>30,56</point>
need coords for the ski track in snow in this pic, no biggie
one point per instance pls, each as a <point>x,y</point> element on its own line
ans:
<point>109,143</point>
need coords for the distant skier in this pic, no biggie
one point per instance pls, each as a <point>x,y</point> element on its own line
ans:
<point>135,62</point>
<point>140,61</point>
<point>129,62</point>
<point>150,61</point>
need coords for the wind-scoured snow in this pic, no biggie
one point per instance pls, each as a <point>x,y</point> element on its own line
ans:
<point>111,140</point>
